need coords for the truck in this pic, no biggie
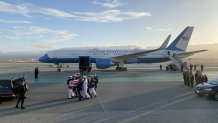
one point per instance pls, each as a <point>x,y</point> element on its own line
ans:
<point>85,63</point>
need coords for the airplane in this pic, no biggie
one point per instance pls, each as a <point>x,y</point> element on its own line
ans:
<point>104,58</point>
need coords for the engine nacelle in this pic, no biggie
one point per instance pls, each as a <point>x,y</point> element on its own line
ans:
<point>103,63</point>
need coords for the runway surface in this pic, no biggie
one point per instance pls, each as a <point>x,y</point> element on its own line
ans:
<point>116,102</point>
<point>133,96</point>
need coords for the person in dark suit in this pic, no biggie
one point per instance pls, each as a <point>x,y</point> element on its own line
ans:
<point>22,89</point>
<point>96,81</point>
<point>36,72</point>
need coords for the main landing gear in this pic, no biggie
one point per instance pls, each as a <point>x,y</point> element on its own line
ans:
<point>121,68</point>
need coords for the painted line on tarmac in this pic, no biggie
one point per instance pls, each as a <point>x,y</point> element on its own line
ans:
<point>154,110</point>
<point>144,107</point>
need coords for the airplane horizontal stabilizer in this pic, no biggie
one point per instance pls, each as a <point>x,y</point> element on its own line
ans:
<point>187,54</point>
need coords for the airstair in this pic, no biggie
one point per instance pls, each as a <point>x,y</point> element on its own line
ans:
<point>177,61</point>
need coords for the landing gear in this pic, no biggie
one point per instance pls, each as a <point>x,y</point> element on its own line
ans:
<point>121,68</point>
<point>59,70</point>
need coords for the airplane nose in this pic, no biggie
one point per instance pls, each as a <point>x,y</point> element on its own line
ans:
<point>44,58</point>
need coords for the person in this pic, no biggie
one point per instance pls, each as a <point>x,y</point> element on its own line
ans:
<point>69,87</point>
<point>168,52</point>
<point>195,67</point>
<point>96,81</point>
<point>22,89</point>
<point>191,79</point>
<point>202,67</point>
<point>161,67</point>
<point>184,77</point>
<point>204,78</point>
<point>167,68</point>
<point>191,66</point>
<point>85,88</point>
<point>181,67</point>
<point>187,78</point>
<point>36,72</point>
<point>198,77</point>
<point>92,87</point>
<point>79,89</point>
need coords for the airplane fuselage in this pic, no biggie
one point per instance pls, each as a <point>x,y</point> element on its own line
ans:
<point>72,56</point>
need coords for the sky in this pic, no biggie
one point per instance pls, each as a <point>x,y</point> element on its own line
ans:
<point>42,25</point>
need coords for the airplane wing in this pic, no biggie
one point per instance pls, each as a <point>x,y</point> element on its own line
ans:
<point>139,54</point>
<point>186,54</point>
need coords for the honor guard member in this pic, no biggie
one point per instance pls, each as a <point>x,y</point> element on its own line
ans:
<point>69,87</point>
<point>184,77</point>
<point>205,79</point>
<point>92,87</point>
<point>191,79</point>
<point>85,88</point>
<point>187,79</point>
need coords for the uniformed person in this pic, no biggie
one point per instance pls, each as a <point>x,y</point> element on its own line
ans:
<point>191,79</point>
<point>205,79</point>
<point>184,77</point>
<point>187,78</point>
<point>181,67</point>
<point>92,87</point>
<point>69,87</point>
<point>85,88</point>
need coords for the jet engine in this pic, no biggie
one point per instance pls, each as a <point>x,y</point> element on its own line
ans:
<point>103,63</point>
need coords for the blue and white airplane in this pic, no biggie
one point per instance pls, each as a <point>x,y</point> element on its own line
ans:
<point>106,58</point>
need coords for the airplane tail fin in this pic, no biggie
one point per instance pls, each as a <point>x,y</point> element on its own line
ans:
<point>165,43</point>
<point>181,42</point>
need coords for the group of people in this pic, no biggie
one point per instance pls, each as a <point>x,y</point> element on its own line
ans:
<point>189,78</point>
<point>191,66</point>
<point>83,87</point>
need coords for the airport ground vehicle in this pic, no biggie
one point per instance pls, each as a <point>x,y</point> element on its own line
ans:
<point>8,89</point>
<point>209,89</point>
<point>85,63</point>
<point>172,67</point>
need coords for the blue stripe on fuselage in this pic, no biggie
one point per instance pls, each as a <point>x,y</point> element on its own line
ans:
<point>93,60</point>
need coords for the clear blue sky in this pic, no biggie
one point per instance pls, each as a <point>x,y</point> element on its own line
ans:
<point>33,25</point>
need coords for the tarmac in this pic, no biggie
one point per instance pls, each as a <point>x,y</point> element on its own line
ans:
<point>162,100</point>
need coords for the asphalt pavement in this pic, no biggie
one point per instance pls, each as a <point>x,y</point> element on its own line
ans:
<point>155,102</point>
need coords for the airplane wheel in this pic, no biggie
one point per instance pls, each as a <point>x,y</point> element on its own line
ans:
<point>117,68</point>
<point>59,70</point>
<point>124,69</point>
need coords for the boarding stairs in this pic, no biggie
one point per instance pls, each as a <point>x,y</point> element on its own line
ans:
<point>177,61</point>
